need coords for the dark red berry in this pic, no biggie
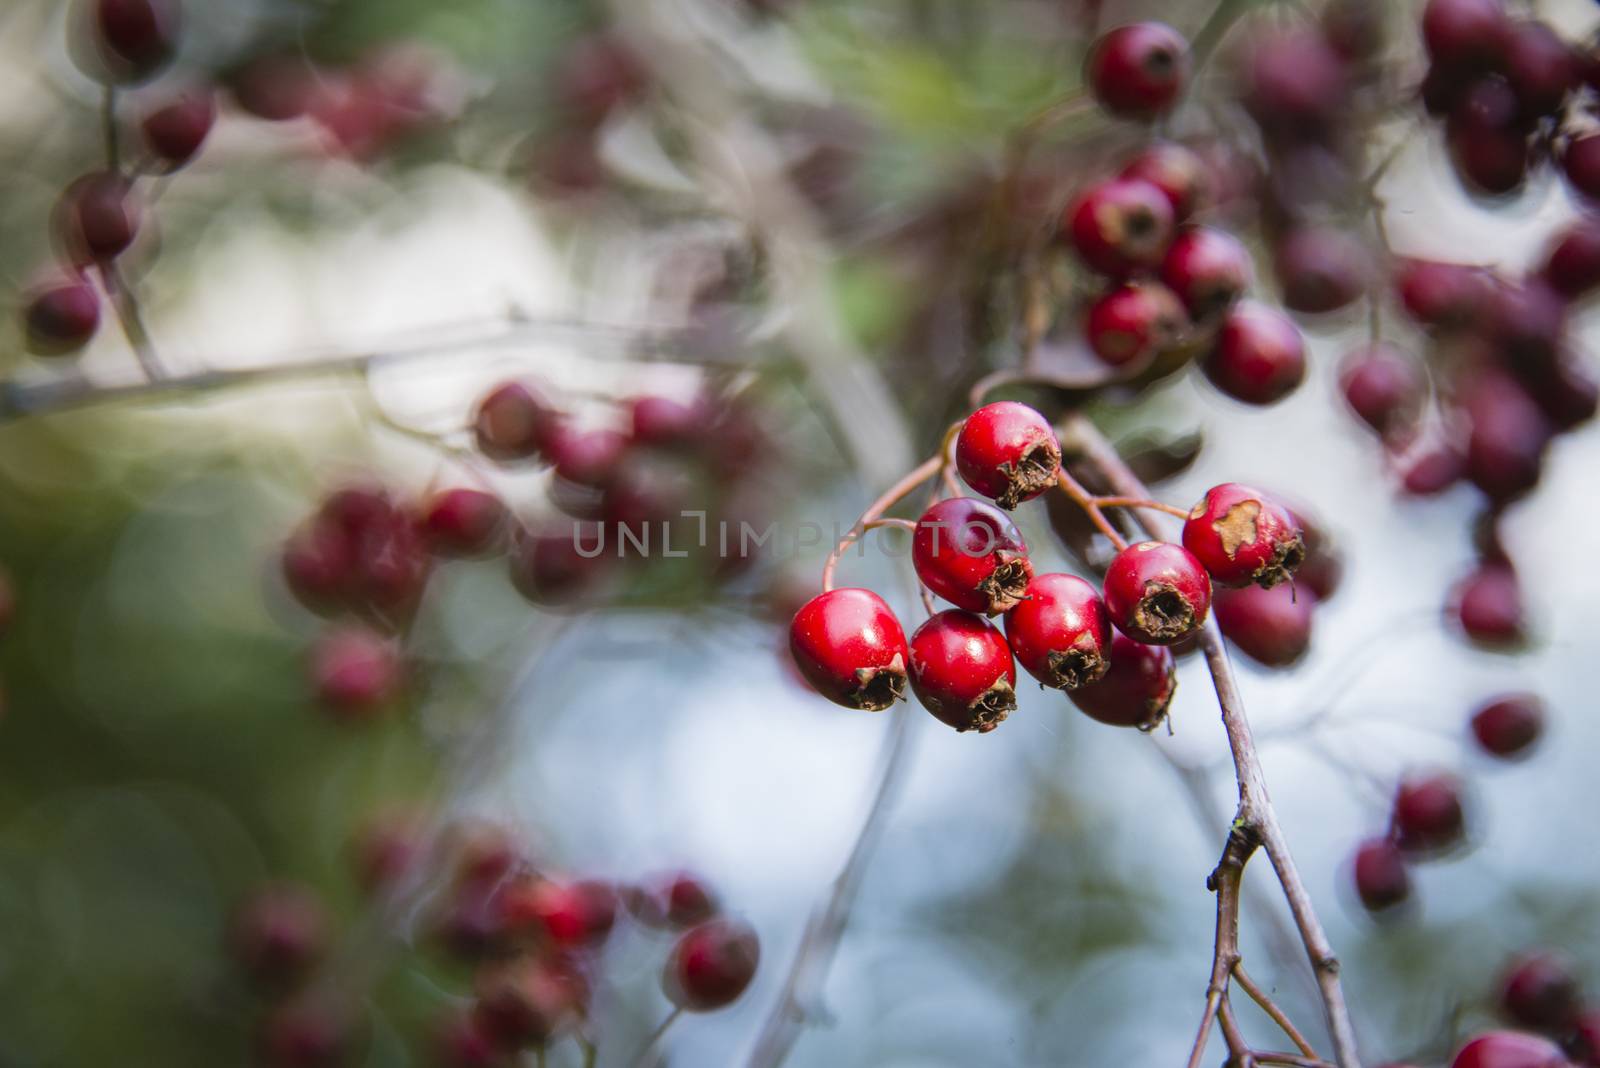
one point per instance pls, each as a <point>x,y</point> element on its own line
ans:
<point>712,965</point>
<point>527,1001</point>
<point>1540,992</point>
<point>1294,84</point>
<point>319,566</point>
<point>1379,870</point>
<point>1321,269</point>
<point>1492,161</point>
<point>311,1030</point>
<point>515,423</point>
<point>1507,438</point>
<point>561,564</point>
<point>470,923</point>
<point>667,423</point>
<point>1509,726</point>
<point>1120,226</point>
<point>1541,67</point>
<point>566,915</point>
<point>1243,536</point>
<point>1322,570</point>
<point>1488,606</point>
<point>1259,356</point>
<point>276,87</point>
<point>1060,631</point>
<point>1136,691</point>
<point>971,554</point>
<point>1157,592</point>
<point>680,899</point>
<point>588,458</point>
<point>962,671</point>
<point>1584,1043</point>
<point>97,218</point>
<point>127,40</point>
<point>1208,269</point>
<point>1181,175</point>
<point>1465,34</point>
<point>1008,452</point>
<point>1140,70</point>
<point>1443,296</point>
<point>1433,470</point>
<point>1134,323</point>
<point>175,131</point>
<point>61,318</point>
<point>1572,265</point>
<point>1509,1049</point>
<point>849,646</point>
<point>355,672</point>
<point>464,522</point>
<point>1384,387</point>
<point>1580,161</point>
<point>1528,322</point>
<point>1270,626</point>
<point>1565,392</point>
<point>1428,816</point>
<point>385,849</point>
<point>279,933</point>
<point>462,1041</point>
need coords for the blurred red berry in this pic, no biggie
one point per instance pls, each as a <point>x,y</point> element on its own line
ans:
<point>1137,689</point>
<point>279,933</point>
<point>1138,71</point>
<point>1270,626</point>
<point>1539,992</point>
<point>97,218</point>
<point>1321,269</point>
<point>1208,269</point>
<point>1259,356</point>
<point>127,40</point>
<point>1181,175</point>
<point>1488,606</point>
<point>513,422</point>
<point>59,319</point>
<point>1379,871</point>
<point>1132,324</point>
<point>356,673</point>
<point>1119,226</point>
<point>712,965</point>
<point>464,522</point>
<point>1384,387</point>
<point>1428,816</point>
<point>1509,1049</point>
<point>1508,726</point>
<point>175,131</point>
<point>527,1001</point>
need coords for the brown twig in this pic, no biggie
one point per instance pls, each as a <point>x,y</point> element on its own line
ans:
<point>1090,505</point>
<point>873,515</point>
<point>1271,1008</point>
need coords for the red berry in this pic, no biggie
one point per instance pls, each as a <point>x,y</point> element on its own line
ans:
<point>1565,392</point>
<point>971,554</point>
<point>1465,34</point>
<point>849,646</point>
<point>1541,67</point>
<point>1540,993</point>
<point>464,522</point>
<point>1157,592</point>
<point>566,915</point>
<point>279,933</point>
<point>1259,356</point>
<point>1180,174</point>
<point>62,317</point>
<point>588,458</point>
<point>127,40</point>
<point>514,423</point>
<point>1270,626</point>
<point>175,131</point>
<point>276,87</point>
<point>1208,269</point>
<point>1488,605</point>
<point>1443,296</point>
<point>319,566</point>
<point>667,423</point>
<point>1508,726</point>
<point>1295,85</point>
<point>462,1041</point>
<point>1136,691</point>
<point>1140,70</point>
<point>1383,386</point>
<point>1242,536</point>
<point>1585,1041</point>
<point>1528,323</point>
<point>1008,452</point>
<point>1580,161</point>
<point>1433,471</point>
<point>962,671</point>
<point>1321,269</point>
<point>1428,815</point>
<point>1134,323</point>
<point>470,923</point>
<point>97,218</point>
<point>1492,161</point>
<point>309,1031</point>
<point>680,899</point>
<point>711,965</point>
<point>1379,870</point>
<point>1572,265</point>
<point>1120,225</point>
<point>1322,569</point>
<point>560,565</point>
<point>355,673</point>
<point>1060,631</point>
<point>1508,437</point>
<point>385,849</point>
<point>1509,1049</point>
<point>527,1001</point>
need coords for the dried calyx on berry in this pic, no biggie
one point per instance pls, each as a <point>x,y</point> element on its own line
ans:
<point>1136,691</point>
<point>1008,452</point>
<point>971,554</point>
<point>1243,536</point>
<point>1060,632</point>
<point>1157,592</point>
<point>849,646</point>
<point>962,671</point>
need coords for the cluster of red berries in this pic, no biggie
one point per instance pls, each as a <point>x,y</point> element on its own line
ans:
<point>534,941</point>
<point>1108,648</point>
<point>1538,993</point>
<point>364,558</point>
<point>1427,817</point>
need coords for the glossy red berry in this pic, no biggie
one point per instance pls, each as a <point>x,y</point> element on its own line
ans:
<point>175,131</point>
<point>567,915</point>
<point>1580,161</point>
<point>560,565</point>
<point>464,522</point>
<point>962,671</point>
<point>1271,626</point>
<point>1509,1049</point>
<point>1428,816</point>
<point>1488,606</point>
<point>1060,631</point>
<point>1442,296</point>
<point>971,554</point>
<point>1008,452</point>
<point>1120,226</point>
<point>1465,34</point>
<point>712,965</point>
<point>1259,356</point>
<point>849,646</point>
<point>1541,67</point>
<point>1138,71</point>
<point>127,40</point>
<point>1208,269</point>
<point>1508,726</point>
<point>1243,536</point>
<point>1321,269</point>
<point>1137,689</point>
<point>1179,172</point>
<point>1539,992</point>
<point>279,933</point>
<point>1491,160</point>
<point>680,899</point>
<point>1134,323</point>
<point>61,318</point>
<point>1384,388</point>
<point>1157,592</point>
<point>356,673</point>
<point>1572,264</point>
<point>514,422</point>
<point>527,1001</point>
<point>97,218</point>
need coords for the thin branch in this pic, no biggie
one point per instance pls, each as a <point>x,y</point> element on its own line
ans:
<point>892,496</point>
<point>1224,882</point>
<point>1270,1007</point>
<point>1090,505</point>
<point>650,1055</point>
<point>132,320</point>
<point>108,126</point>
